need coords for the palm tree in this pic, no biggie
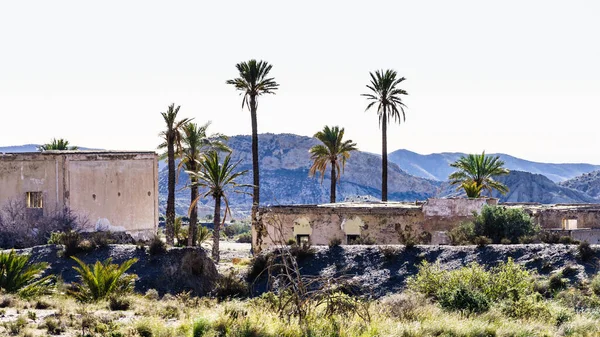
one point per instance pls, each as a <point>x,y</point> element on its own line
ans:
<point>475,173</point>
<point>333,151</point>
<point>57,144</point>
<point>195,143</point>
<point>386,94</point>
<point>172,141</point>
<point>217,178</point>
<point>253,82</point>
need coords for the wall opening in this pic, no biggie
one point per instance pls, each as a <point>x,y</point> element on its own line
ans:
<point>34,200</point>
<point>569,223</point>
<point>302,239</point>
<point>352,239</point>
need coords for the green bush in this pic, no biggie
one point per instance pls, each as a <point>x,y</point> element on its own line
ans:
<point>118,303</point>
<point>506,281</point>
<point>463,234</point>
<point>335,242</point>
<point>585,252</point>
<point>201,327</point>
<point>595,284</point>
<point>157,246</point>
<point>557,282</point>
<point>17,276</point>
<point>70,240</point>
<point>463,299</point>
<point>102,279</point>
<point>497,223</point>
<point>482,241</point>
<point>244,238</point>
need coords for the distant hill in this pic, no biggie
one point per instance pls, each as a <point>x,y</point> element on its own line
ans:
<point>437,166</point>
<point>284,163</point>
<point>19,148</point>
<point>529,187</point>
<point>588,183</point>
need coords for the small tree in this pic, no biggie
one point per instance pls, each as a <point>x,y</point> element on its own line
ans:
<point>333,151</point>
<point>217,178</point>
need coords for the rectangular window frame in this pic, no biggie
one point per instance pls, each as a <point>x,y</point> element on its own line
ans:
<point>34,199</point>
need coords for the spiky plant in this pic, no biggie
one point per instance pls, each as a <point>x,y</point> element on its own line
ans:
<point>20,277</point>
<point>59,144</point>
<point>204,235</point>
<point>476,173</point>
<point>384,93</point>
<point>333,151</point>
<point>102,279</point>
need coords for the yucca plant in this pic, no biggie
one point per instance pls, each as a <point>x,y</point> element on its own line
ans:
<point>19,277</point>
<point>102,279</point>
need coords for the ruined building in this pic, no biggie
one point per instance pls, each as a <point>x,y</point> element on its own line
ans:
<point>112,190</point>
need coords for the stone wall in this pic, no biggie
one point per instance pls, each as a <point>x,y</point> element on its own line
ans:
<point>380,223</point>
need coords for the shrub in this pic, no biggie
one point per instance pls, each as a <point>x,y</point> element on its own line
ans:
<point>302,250</point>
<point>548,237</point>
<point>143,329</point>
<point>557,282</point>
<point>497,223</point>
<point>157,246</point>
<point>463,299</point>
<point>117,303</point>
<point>567,240</point>
<point>258,266</point>
<point>404,306</point>
<point>595,285</point>
<point>169,312</point>
<point>152,294</point>
<point>205,234</point>
<point>54,326</point>
<point>526,308</point>
<point>407,236</point>
<point>102,279</point>
<point>335,242</point>
<point>363,240</point>
<point>463,234</point>
<point>526,239</point>
<point>244,238</point>
<point>15,327</point>
<point>70,240</point>
<point>231,285</point>
<point>505,241</point>
<point>482,241</point>
<point>17,276</point>
<point>201,327</point>
<point>389,252</point>
<point>585,252</point>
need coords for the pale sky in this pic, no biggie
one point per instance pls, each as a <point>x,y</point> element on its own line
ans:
<point>518,77</point>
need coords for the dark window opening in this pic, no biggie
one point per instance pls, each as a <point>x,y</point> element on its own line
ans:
<point>35,200</point>
<point>352,239</point>
<point>302,239</point>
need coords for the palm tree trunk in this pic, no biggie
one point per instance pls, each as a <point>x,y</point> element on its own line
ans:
<point>217,229</point>
<point>193,227</point>
<point>170,216</point>
<point>333,181</point>
<point>255,174</point>
<point>384,156</point>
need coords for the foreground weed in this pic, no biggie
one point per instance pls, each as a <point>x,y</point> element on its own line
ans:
<point>102,279</point>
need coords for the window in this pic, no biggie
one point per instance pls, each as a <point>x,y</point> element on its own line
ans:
<point>302,239</point>
<point>352,239</point>
<point>35,200</point>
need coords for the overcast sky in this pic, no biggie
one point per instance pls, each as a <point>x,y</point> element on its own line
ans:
<point>518,77</point>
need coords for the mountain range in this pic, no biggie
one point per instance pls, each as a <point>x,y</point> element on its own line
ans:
<point>285,162</point>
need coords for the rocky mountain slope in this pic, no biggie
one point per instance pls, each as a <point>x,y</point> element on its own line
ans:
<point>437,165</point>
<point>588,183</point>
<point>529,187</point>
<point>284,164</point>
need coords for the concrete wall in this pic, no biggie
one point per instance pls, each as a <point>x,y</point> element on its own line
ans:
<point>551,216</point>
<point>115,191</point>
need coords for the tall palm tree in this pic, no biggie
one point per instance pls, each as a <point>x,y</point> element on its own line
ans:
<point>386,94</point>
<point>218,178</point>
<point>57,144</point>
<point>333,151</point>
<point>475,173</point>
<point>195,143</point>
<point>172,141</point>
<point>254,82</point>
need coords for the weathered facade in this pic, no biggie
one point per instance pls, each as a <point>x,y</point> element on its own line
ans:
<point>385,223</point>
<point>115,191</point>
<point>380,223</point>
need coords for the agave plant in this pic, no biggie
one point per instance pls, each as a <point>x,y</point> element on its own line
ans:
<point>102,279</point>
<point>20,277</point>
